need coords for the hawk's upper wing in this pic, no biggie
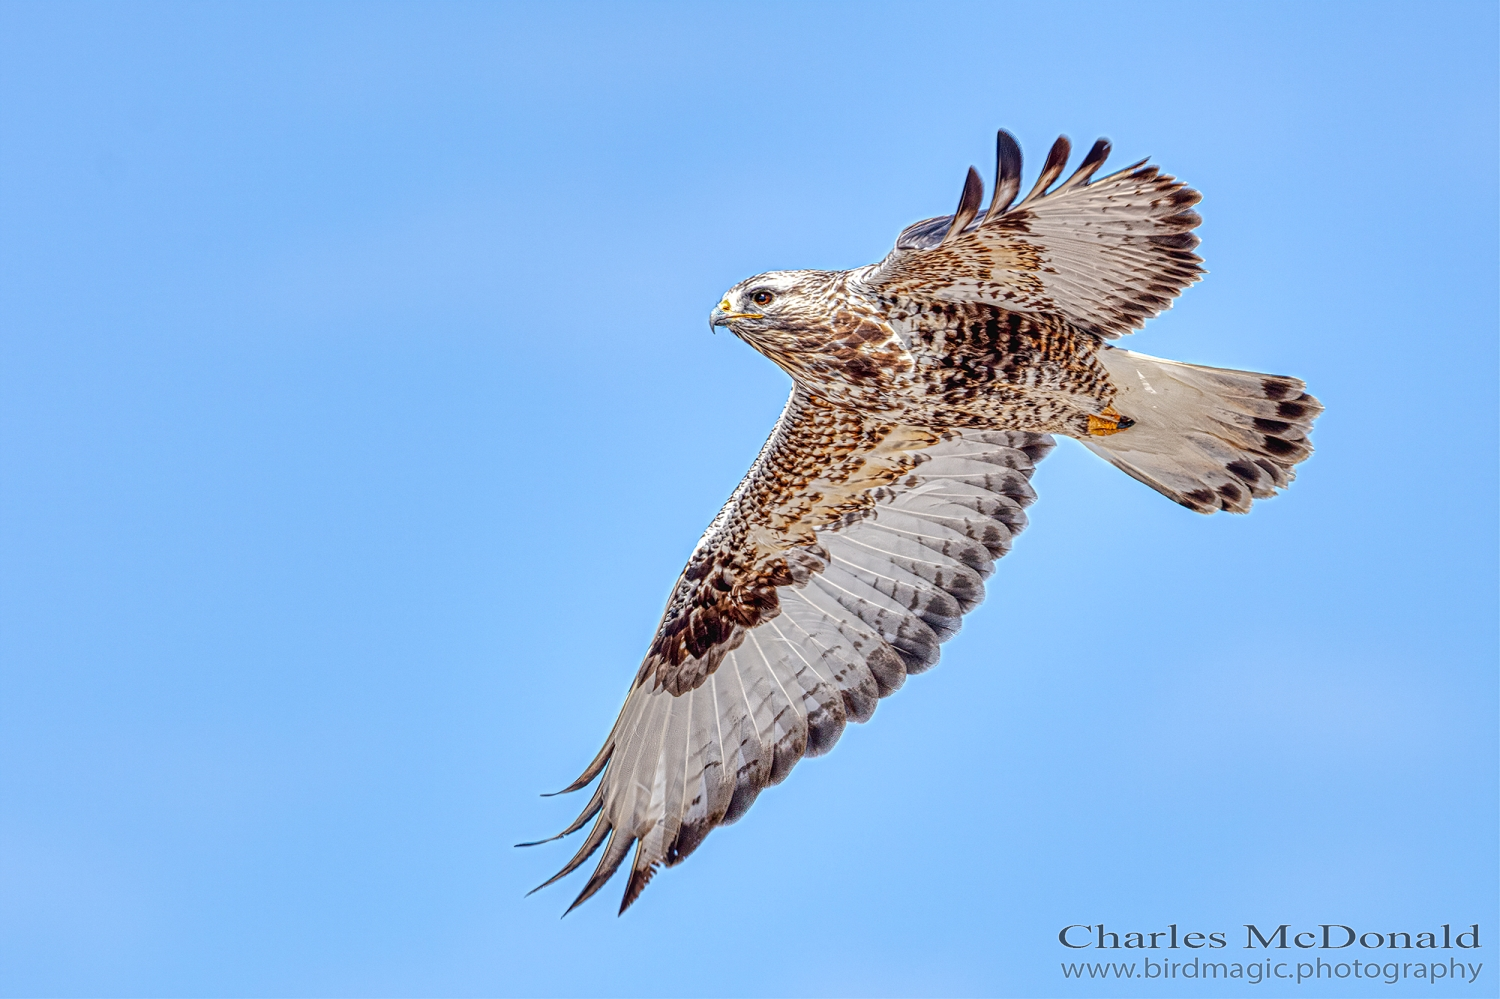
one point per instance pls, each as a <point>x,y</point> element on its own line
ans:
<point>1108,255</point>
<point>851,549</point>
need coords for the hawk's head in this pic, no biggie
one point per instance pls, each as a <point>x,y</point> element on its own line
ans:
<point>820,331</point>
<point>790,301</point>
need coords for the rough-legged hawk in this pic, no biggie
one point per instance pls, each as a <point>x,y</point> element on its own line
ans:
<point>926,388</point>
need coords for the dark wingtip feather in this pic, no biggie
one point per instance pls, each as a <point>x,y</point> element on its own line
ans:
<point>640,876</point>
<point>595,767</point>
<point>968,204</point>
<point>596,802</point>
<point>539,842</point>
<point>586,850</point>
<point>1091,163</point>
<point>1007,173</point>
<point>1135,169</point>
<point>608,864</point>
<point>1057,158</point>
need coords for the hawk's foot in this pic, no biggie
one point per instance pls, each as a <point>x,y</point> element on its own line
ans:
<point>1109,422</point>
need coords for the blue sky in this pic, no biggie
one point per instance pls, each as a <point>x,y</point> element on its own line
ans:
<point>358,410</point>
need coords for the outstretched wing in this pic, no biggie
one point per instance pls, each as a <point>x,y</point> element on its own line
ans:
<point>848,553</point>
<point>1107,254</point>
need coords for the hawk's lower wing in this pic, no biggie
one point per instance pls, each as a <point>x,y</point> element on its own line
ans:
<point>875,539</point>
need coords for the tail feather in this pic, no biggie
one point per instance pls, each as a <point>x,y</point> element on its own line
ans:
<point>1209,438</point>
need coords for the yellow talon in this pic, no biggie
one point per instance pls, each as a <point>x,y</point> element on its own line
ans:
<point>1109,422</point>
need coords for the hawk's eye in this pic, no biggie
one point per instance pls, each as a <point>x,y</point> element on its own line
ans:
<point>762,297</point>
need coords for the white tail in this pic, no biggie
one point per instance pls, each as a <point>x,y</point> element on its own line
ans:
<point>1209,438</point>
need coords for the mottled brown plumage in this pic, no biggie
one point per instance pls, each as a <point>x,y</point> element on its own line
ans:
<point>925,389</point>
<point>820,470</point>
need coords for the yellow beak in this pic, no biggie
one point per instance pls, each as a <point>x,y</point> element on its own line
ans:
<point>721,316</point>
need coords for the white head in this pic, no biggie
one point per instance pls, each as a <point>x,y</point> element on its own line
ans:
<point>821,332</point>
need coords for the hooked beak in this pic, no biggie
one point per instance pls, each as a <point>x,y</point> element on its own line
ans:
<point>721,316</point>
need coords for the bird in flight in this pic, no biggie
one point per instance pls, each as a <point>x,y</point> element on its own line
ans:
<point>926,387</point>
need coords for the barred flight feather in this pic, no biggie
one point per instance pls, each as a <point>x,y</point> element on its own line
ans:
<point>889,590</point>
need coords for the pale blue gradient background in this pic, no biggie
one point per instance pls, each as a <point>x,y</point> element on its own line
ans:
<point>357,411</point>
